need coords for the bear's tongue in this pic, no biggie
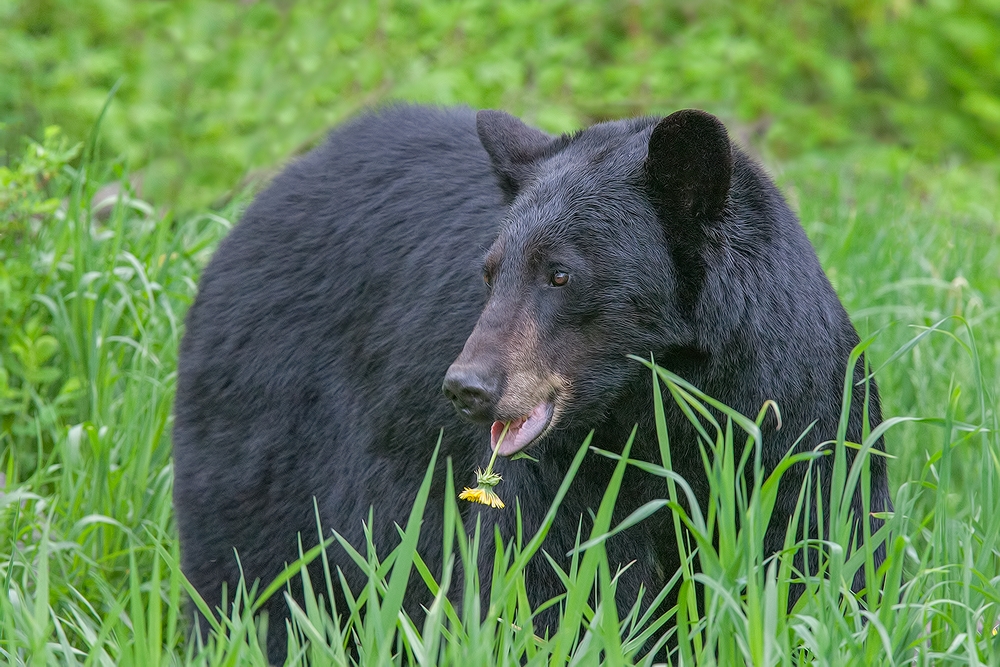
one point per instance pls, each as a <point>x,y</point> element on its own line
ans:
<point>522,431</point>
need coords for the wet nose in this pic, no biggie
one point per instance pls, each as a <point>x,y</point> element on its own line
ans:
<point>472,391</point>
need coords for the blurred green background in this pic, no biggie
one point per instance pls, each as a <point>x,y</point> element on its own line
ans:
<point>216,91</point>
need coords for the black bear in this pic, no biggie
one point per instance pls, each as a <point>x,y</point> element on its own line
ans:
<point>419,246</point>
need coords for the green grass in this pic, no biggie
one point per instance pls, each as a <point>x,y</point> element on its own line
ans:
<point>91,314</point>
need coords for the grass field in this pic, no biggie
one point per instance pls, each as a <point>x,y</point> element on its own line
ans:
<point>879,120</point>
<point>92,314</point>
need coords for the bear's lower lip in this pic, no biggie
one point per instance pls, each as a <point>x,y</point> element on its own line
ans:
<point>523,431</point>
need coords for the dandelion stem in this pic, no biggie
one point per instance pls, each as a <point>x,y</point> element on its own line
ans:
<point>506,427</point>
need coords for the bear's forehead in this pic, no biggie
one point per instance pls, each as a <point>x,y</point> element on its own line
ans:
<point>569,183</point>
<point>560,216</point>
<point>591,187</point>
<point>569,188</point>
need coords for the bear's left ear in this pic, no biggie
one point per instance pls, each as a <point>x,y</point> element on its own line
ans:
<point>512,146</point>
<point>690,165</point>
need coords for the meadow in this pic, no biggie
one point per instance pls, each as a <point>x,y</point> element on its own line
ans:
<point>93,294</point>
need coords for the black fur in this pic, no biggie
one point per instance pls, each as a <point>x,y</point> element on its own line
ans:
<point>315,351</point>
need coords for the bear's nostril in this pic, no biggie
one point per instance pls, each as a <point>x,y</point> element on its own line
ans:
<point>473,398</point>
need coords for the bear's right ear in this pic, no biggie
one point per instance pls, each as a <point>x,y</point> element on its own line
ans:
<point>513,148</point>
<point>690,166</point>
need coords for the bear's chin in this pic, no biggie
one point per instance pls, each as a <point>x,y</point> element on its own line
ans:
<point>523,431</point>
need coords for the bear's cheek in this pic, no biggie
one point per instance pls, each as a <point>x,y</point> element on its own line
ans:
<point>531,369</point>
<point>593,359</point>
<point>561,360</point>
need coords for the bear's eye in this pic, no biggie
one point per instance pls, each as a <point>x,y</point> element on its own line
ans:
<point>487,278</point>
<point>558,278</point>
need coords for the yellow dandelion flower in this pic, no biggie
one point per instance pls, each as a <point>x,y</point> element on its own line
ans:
<point>485,481</point>
<point>482,496</point>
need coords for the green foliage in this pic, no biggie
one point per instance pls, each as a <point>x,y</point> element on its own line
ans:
<point>90,326</point>
<point>216,91</point>
<point>33,391</point>
<point>24,191</point>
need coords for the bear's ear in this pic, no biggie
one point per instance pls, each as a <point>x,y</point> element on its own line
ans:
<point>690,165</point>
<point>512,146</point>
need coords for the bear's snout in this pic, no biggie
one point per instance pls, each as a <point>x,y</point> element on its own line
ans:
<point>473,391</point>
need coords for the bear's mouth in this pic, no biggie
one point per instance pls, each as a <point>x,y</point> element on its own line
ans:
<point>523,431</point>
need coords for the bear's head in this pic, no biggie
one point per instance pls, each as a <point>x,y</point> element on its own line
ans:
<point>600,255</point>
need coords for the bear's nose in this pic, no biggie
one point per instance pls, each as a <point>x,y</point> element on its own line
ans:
<point>472,391</point>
